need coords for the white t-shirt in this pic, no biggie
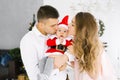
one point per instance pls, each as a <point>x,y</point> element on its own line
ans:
<point>33,47</point>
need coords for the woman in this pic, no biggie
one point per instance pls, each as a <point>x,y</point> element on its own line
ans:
<point>91,62</point>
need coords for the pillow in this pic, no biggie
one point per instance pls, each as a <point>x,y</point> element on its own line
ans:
<point>5,58</point>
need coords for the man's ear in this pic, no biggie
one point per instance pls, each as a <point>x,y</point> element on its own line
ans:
<point>40,23</point>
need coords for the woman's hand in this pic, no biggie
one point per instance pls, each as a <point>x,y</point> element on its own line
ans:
<point>70,49</point>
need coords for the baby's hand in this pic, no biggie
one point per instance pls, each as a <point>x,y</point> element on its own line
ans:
<point>62,67</point>
<point>61,40</point>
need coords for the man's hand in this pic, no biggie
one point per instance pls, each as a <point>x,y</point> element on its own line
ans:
<point>59,60</point>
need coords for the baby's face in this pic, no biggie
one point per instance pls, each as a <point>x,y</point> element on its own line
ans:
<point>62,32</point>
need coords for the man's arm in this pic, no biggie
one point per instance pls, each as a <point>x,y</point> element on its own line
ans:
<point>30,60</point>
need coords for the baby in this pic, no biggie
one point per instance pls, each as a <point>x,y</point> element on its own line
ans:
<point>58,44</point>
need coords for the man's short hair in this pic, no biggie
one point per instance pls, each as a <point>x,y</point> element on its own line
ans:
<point>46,12</point>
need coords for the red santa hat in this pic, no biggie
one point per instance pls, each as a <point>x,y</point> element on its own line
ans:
<point>64,22</point>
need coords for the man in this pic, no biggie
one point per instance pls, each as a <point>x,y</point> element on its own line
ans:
<point>33,44</point>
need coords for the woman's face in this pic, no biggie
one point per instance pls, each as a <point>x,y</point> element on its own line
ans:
<point>72,27</point>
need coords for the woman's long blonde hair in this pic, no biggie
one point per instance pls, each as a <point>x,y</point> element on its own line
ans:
<point>87,46</point>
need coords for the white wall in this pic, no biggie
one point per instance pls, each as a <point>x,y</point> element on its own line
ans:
<point>106,10</point>
<point>15,16</point>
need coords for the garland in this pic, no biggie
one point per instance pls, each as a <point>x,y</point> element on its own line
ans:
<point>32,23</point>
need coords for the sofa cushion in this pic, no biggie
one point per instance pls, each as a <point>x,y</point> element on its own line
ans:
<point>5,58</point>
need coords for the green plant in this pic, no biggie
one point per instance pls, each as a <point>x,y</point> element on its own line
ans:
<point>15,53</point>
<point>16,56</point>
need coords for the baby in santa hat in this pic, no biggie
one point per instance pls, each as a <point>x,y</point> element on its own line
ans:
<point>58,44</point>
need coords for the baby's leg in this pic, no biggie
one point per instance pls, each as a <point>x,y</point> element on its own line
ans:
<point>70,70</point>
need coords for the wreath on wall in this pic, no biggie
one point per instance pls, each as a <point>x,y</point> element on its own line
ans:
<point>101,30</point>
<point>101,27</point>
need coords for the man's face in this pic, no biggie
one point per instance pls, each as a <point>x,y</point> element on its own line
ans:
<point>62,32</point>
<point>50,25</point>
